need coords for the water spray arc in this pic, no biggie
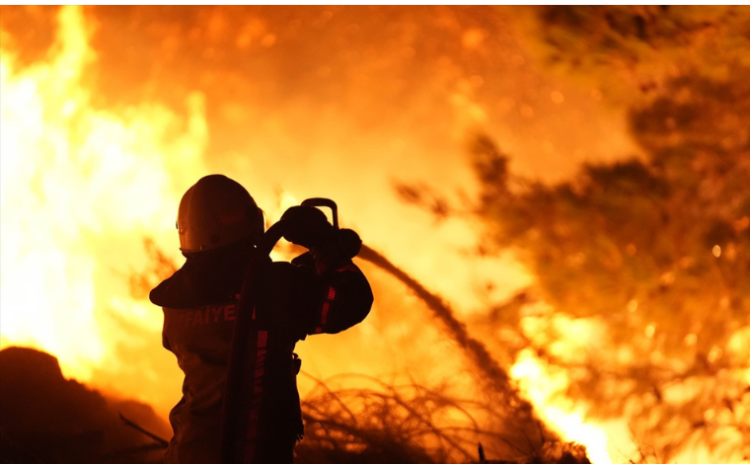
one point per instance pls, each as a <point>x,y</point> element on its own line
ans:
<point>492,374</point>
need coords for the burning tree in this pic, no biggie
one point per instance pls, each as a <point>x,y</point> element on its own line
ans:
<point>626,48</point>
<point>651,252</point>
<point>657,255</point>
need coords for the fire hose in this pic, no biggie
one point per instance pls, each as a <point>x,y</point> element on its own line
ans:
<point>238,375</point>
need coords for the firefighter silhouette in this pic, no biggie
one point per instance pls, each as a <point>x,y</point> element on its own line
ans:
<point>322,291</point>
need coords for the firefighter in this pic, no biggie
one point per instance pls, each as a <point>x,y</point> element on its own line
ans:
<point>321,291</point>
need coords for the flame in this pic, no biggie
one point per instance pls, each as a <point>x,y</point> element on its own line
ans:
<point>545,385</point>
<point>77,184</point>
<point>543,389</point>
<point>81,184</point>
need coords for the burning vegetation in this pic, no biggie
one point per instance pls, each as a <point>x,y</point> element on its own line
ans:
<point>650,254</point>
<point>628,330</point>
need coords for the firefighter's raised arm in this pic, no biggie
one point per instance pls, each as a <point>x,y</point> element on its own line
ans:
<point>339,294</point>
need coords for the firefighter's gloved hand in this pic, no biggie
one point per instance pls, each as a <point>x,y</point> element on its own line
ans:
<point>307,226</point>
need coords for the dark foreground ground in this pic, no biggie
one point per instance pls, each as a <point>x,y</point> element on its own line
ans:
<point>45,419</point>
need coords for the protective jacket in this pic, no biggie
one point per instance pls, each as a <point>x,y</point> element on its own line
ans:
<point>200,302</point>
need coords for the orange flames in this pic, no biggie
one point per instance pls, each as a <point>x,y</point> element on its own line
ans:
<point>82,185</point>
<point>78,183</point>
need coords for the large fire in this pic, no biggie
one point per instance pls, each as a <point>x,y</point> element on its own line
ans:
<point>77,183</point>
<point>83,185</point>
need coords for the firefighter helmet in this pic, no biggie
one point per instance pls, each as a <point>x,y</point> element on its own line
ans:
<point>216,212</point>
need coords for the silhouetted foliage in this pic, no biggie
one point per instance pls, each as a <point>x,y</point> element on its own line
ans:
<point>160,266</point>
<point>654,252</point>
<point>47,419</point>
<point>410,424</point>
<point>424,197</point>
<point>643,45</point>
<point>384,424</point>
<point>657,252</point>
